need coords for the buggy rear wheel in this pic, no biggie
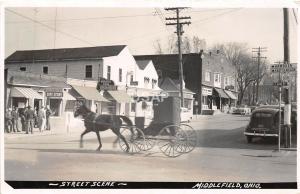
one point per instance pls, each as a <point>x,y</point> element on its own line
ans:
<point>171,141</point>
<point>192,138</point>
<point>134,137</point>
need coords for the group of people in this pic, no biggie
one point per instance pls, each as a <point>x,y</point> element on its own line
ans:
<point>39,118</point>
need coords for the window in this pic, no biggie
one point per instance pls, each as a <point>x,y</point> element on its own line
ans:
<point>131,78</point>
<point>133,106</point>
<point>217,78</point>
<point>207,76</point>
<point>108,72</point>
<point>153,83</point>
<point>22,68</point>
<point>120,75</point>
<point>226,80</point>
<point>88,71</point>
<point>45,69</point>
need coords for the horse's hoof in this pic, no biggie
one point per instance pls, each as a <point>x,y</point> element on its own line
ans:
<point>98,149</point>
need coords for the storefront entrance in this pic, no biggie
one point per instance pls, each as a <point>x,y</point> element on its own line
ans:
<point>55,106</point>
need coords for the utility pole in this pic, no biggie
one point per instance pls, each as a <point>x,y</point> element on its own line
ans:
<point>258,50</point>
<point>179,22</point>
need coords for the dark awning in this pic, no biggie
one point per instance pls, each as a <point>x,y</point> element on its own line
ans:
<point>221,93</point>
<point>231,95</point>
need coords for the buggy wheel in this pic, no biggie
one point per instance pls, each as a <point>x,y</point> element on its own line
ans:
<point>192,138</point>
<point>134,137</point>
<point>149,143</point>
<point>170,141</point>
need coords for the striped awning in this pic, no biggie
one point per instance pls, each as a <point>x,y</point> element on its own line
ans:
<point>68,96</point>
<point>89,93</point>
<point>231,94</point>
<point>119,96</point>
<point>20,92</point>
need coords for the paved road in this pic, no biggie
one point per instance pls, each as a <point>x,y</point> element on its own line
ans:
<point>222,154</point>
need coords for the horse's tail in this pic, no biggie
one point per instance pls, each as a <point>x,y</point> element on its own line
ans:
<point>126,120</point>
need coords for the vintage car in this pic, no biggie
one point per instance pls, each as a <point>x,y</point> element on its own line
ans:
<point>264,122</point>
<point>241,110</point>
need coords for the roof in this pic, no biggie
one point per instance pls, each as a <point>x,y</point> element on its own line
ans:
<point>168,65</point>
<point>89,93</point>
<point>142,64</point>
<point>168,84</point>
<point>266,110</point>
<point>64,54</point>
<point>25,93</point>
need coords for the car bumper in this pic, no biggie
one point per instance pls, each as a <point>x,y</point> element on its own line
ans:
<point>260,134</point>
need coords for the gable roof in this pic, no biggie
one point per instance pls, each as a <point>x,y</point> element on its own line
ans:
<point>168,84</point>
<point>142,64</point>
<point>64,54</point>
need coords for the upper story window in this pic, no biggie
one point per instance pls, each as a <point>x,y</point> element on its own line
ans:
<point>153,83</point>
<point>207,76</point>
<point>120,75</point>
<point>22,68</point>
<point>108,72</point>
<point>131,78</point>
<point>45,70</point>
<point>88,71</point>
<point>146,80</point>
<point>133,107</point>
<point>217,78</point>
<point>227,81</point>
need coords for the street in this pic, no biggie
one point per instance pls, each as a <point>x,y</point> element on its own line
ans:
<point>222,154</point>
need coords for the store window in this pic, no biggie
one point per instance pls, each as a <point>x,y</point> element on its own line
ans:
<point>22,68</point>
<point>88,71</point>
<point>108,72</point>
<point>55,105</point>
<point>45,70</point>
<point>187,103</point>
<point>133,107</point>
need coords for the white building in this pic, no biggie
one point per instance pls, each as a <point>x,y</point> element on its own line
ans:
<point>84,67</point>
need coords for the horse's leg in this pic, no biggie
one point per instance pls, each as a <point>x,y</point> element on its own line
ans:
<point>81,137</point>
<point>99,140</point>
<point>117,132</point>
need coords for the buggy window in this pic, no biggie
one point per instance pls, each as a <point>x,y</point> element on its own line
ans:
<point>262,115</point>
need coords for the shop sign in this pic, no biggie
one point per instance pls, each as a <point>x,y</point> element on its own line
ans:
<point>151,98</point>
<point>206,91</point>
<point>134,83</point>
<point>104,84</point>
<point>54,92</point>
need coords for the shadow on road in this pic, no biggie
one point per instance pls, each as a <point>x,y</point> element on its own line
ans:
<point>70,151</point>
<point>235,139</point>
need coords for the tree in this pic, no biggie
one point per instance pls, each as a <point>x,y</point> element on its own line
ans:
<point>246,69</point>
<point>188,45</point>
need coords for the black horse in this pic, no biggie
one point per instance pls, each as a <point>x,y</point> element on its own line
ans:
<point>96,123</point>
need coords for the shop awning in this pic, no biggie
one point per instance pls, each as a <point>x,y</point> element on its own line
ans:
<point>119,96</point>
<point>89,93</point>
<point>68,96</point>
<point>25,93</point>
<point>231,95</point>
<point>221,93</point>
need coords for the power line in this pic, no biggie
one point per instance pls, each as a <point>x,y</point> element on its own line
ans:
<point>295,16</point>
<point>51,28</point>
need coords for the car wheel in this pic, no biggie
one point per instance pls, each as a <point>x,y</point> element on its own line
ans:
<point>249,139</point>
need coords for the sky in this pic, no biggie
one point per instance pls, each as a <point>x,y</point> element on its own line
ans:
<point>139,28</point>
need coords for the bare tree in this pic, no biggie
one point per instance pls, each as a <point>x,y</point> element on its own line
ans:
<point>246,68</point>
<point>188,45</point>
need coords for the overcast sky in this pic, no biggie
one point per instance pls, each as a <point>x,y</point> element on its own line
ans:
<point>139,28</point>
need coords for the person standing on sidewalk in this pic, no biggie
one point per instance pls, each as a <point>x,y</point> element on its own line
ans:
<point>48,114</point>
<point>29,115</point>
<point>15,120</point>
<point>22,112</point>
<point>42,118</point>
<point>8,122</point>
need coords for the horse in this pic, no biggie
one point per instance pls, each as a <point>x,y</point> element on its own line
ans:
<point>96,123</point>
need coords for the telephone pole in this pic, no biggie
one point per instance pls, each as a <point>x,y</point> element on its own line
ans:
<point>258,50</point>
<point>179,22</point>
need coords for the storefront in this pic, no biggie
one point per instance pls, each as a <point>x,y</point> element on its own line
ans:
<point>120,103</point>
<point>207,98</point>
<point>233,98</point>
<point>221,99</point>
<point>21,97</point>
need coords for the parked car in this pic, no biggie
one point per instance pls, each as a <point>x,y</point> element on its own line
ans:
<point>241,111</point>
<point>264,122</point>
